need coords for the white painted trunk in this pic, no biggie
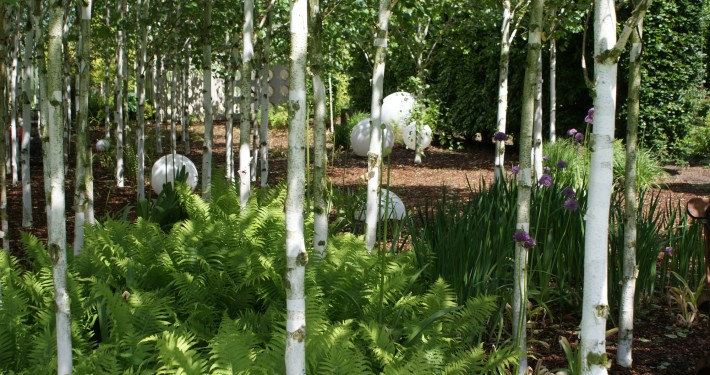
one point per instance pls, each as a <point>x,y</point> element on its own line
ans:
<point>27,77</point>
<point>144,30</point>
<point>501,121</point>
<point>14,69</point>
<point>84,178</point>
<point>120,62</point>
<point>520,284</point>
<point>553,87</point>
<point>296,255</point>
<point>320,182</point>
<point>595,306</point>
<point>264,100</point>
<point>56,231</point>
<point>628,287</point>
<point>537,127</point>
<point>207,100</point>
<point>246,100</point>
<point>374,155</point>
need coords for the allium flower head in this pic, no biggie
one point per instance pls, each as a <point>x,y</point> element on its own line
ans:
<point>500,137</point>
<point>515,169</point>
<point>568,192</point>
<point>561,164</point>
<point>579,137</point>
<point>572,132</point>
<point>545,180</point>
<point>590,116</point>
<point>571,204</point>
<point>545,158</point>
<point>668,250</point>
<point>530,243</point>
<point>546,168</point>
<point>521,236</point>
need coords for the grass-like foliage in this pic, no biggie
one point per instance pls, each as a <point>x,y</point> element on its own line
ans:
<point>341,137</point>
<point>207,296</point>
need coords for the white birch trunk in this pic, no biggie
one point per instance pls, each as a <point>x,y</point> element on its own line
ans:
<point>120,56</point>
<point>144,30</point>
<point>246,100</point>
<point>537,127</point>
<point>229,108</point>
<point>520,284</point>
<point>159,101</point>
<point>207,100</point>
<point>67,88</point>
<point>44,107</point>
<point>553,84</point>
<point>330,102</point>
<point>595,306</point>
<point>56,231</point>
<point>628,287</point>
<point>174,105</point>
<point>501,121</point>
<point>320,188</point>
<point>374,155</point>
<point>4,225</point>
<point>28,74</point>
<point>14,144</point>
<point>264,98</point>
<point>185,121</point>
<point>84,177</point>
<point>296,255</point>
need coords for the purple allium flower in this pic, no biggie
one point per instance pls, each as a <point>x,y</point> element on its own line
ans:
<point>590,116</point>
<point>515,169</point>
<point>546,168</point>
<point>521,236</point>
<point>572,132</point>
<point>568,192</point>
<point>530,243</point>
<point>545,158</point>
<point>545,180</point>
<point>579,137</point>
<point>571,204</point>
<point>500,137</point>
<point>561,164</point>
<point>668,250</point>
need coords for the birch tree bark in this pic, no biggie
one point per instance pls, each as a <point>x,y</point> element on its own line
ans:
<point>27,77</point>
<point>56,231</point>
<point>44,107</point>
<point>207,99</point>
<point>553,80</point>
<point>158,102</point>
<point>4,225</point>
<point>84,176</point>
<point>264,98</point>
<point>14,69</point>
<point>374,155</point>
<point>296,255</point>
<point>320,190</point>
<point>185,121</point>
<point>229,107</point>
<point>142,7</point>
<point>246,100</point>
<point>67,87</point>
<point>520,284</point>
<point>595,306</point>
<point>537,122</point>
<point>120,56</point>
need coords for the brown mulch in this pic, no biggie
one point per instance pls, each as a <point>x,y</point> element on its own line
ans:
<point>661,347</point>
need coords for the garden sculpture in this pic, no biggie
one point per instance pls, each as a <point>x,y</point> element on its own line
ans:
<point>165,169</point>
<point>360,138</point>
<point>397,111</point>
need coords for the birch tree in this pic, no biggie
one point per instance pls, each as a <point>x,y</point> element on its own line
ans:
<point>27,78</point>
<point>264,97</point>
<point>296,255</point>
<point>553,77</point>
<point>4,225</point>
<point>245,126</point>
<point>142,6</point>
<point>523,240</point>
<point>12,94</point>
<point>84,177</point>
<point>229,107</point>
<point>120,62</point>
<point>207,98</point>
<point>186,100</point>
<point>537,119</point>
<point>56,231</point>
<point>507,36</point>
<point>374,155</point>
<point>320,190</point>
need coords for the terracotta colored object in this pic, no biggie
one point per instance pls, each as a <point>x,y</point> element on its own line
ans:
<point>698,209</point>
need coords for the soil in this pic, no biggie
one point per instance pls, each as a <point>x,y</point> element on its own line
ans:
<point>660,346</point>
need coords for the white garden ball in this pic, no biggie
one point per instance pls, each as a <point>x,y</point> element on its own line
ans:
<point>102,145</point>
<point>360,138</point>
<point>165,169</point>
<point>425,136</point>
<point>395,207</point>
<point>397,110</point>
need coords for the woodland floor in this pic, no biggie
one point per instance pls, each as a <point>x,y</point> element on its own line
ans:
<point>660,347</point>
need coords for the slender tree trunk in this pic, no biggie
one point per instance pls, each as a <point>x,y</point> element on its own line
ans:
<point>374,155</point>
<point>264,98</point>
<point>520,285</point>
<point>501,122</point>
<point>320,189</point>
<point>296,255</point>
<point>246,100</point>
<point>44,108</point>
<point>56,232</point>
<point>159,102</point>
<point>553,82</point>
<point>537,127</point>
<point>143,7</point>
<point>207,100</point>
<point>28,74</point>
<point>84,176</point>
<point>595,306</point>
<point>14,145</point>
<point>4,225</point>
<point>628,286</point>
<point>229,108</point>
<point>120,56</point>
<point>186,99</point>
<point>174,93</point>
<point>67,89</point>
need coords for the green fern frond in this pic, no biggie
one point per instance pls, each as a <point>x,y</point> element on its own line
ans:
<point>176,354</point>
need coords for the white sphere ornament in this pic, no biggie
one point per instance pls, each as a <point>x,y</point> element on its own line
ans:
<point>425,135</point>
<point>360,138</point>
<point>102,145</point>
<point>397,110</point>
<point>165,169</point>
<point>395,207</point>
